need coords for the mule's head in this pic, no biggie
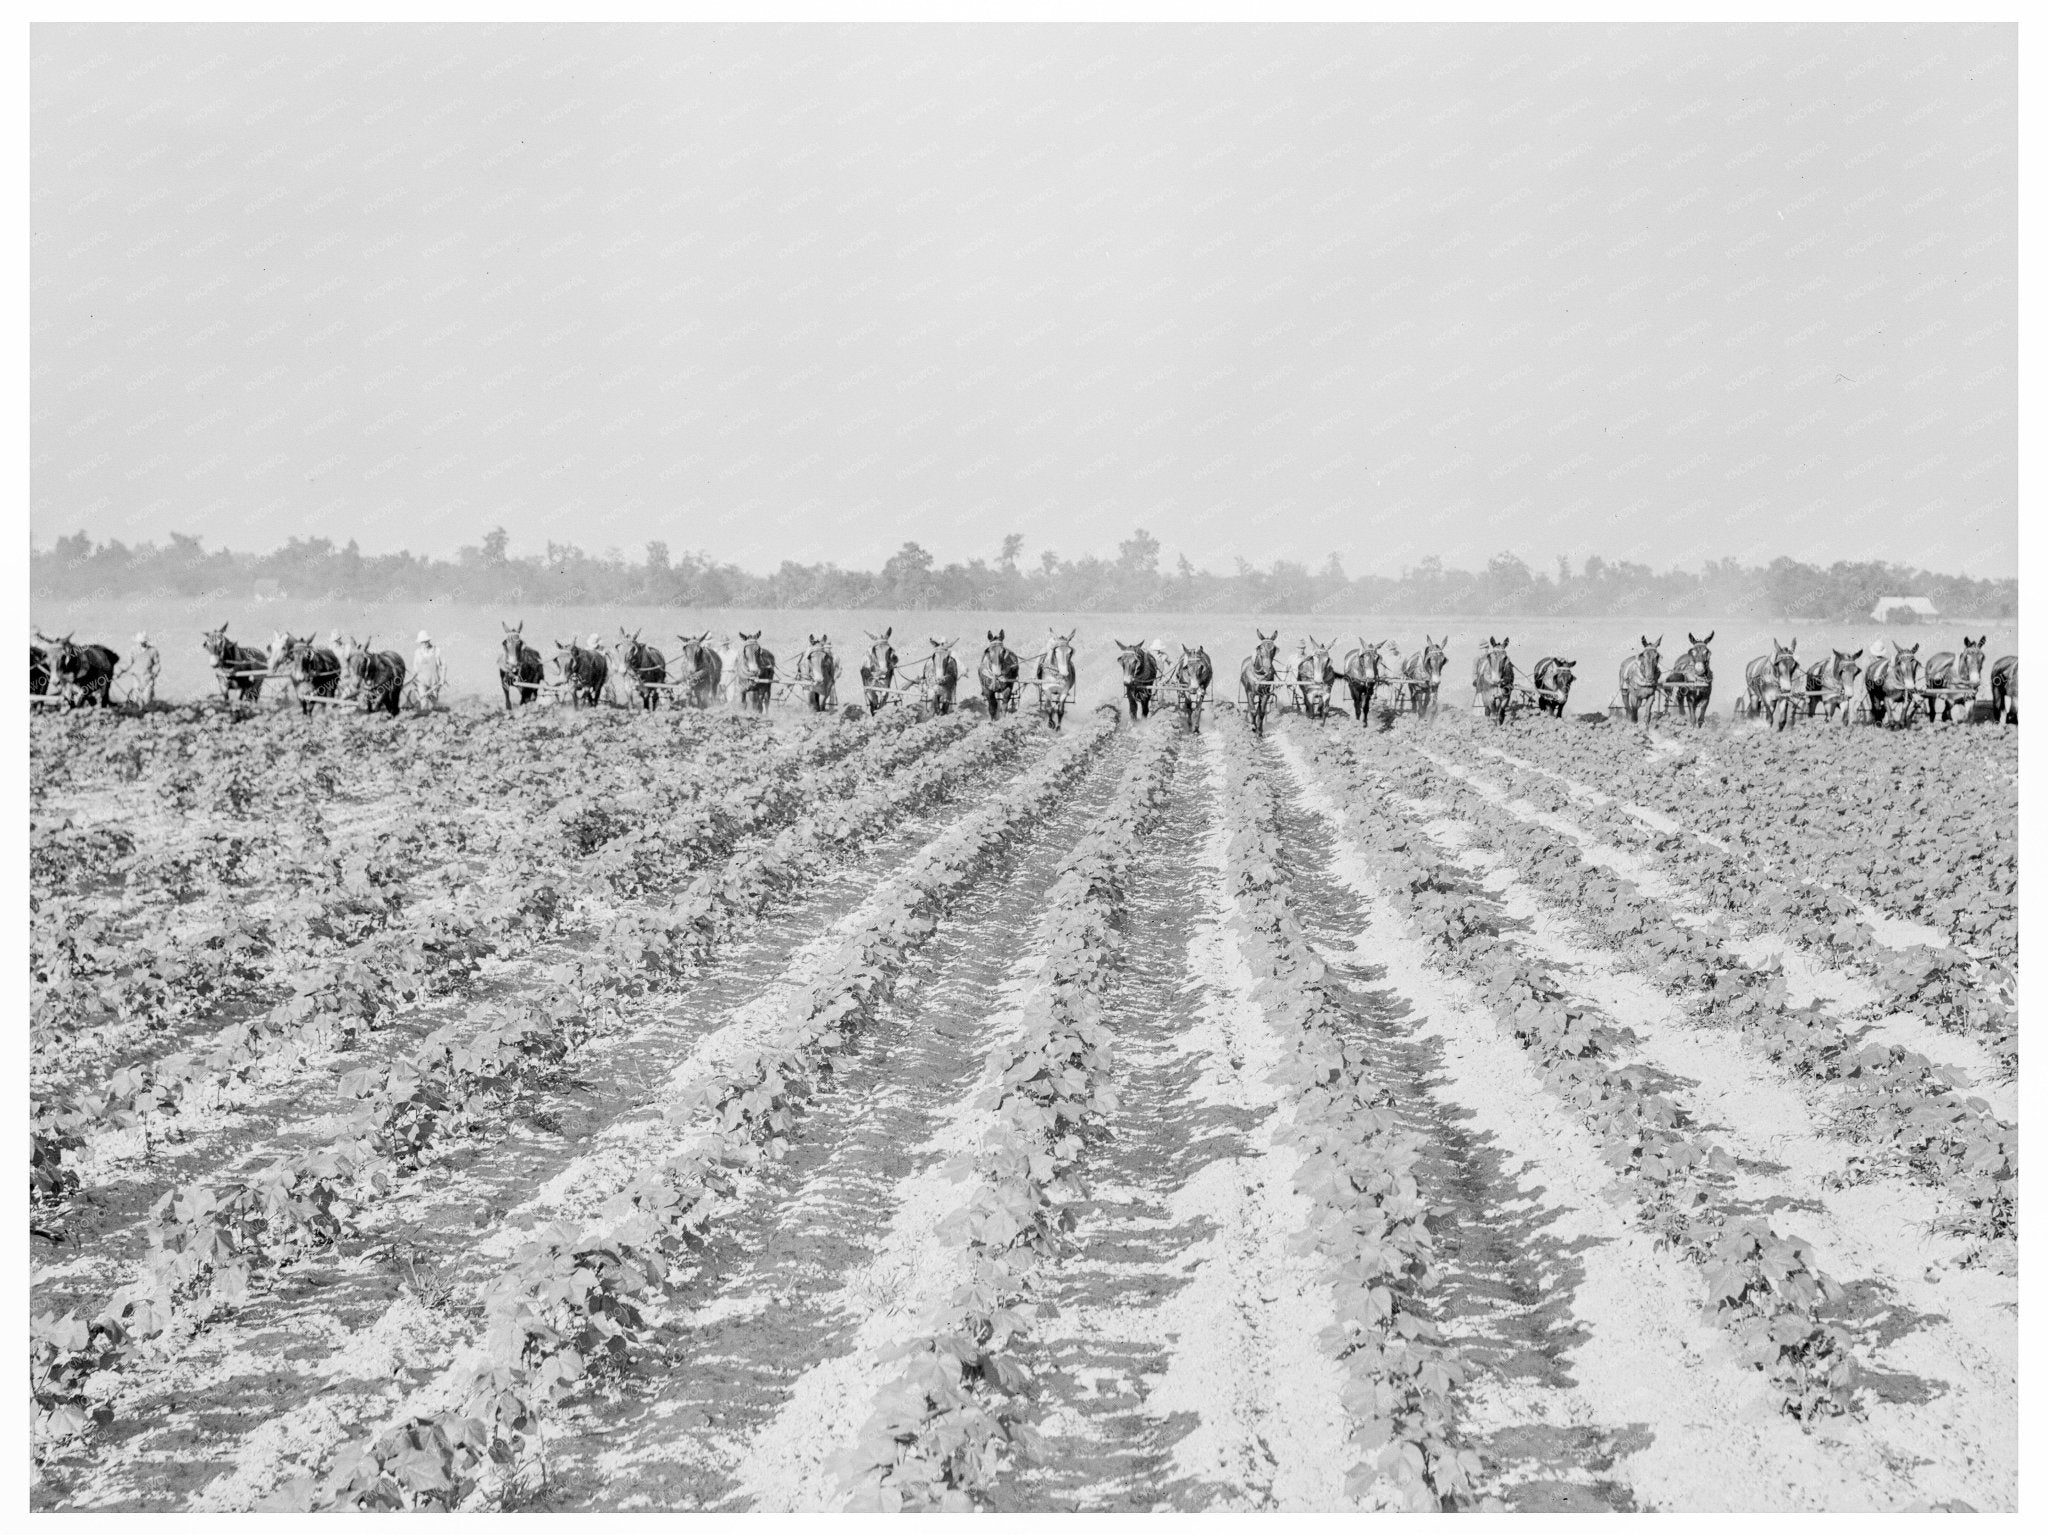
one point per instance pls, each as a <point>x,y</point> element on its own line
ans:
<point>1697,659</point>
<point>1905,665</point>
<point>1267,648</point>
<point>882,654</point>
<point>1784,664</point>
<point>66,659</point>
<point>1563,674</point>
<point>1970,661</point>
<point>215,642</point>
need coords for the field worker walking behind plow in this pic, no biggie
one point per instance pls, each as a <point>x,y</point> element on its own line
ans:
<point>429,673</point>
<point>143,668</point>
<point>729,667</point>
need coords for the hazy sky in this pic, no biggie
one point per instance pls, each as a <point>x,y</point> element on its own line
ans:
<point>1654,293</point>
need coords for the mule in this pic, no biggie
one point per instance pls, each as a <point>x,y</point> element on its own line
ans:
<point>519,666</point>
<point>818,670</point>
<point>1889,683</point>
<point>312,670</point>
<point>1829,681</point>
<point>1640,674</point>
<point>2005,688</point>
<point>878,671</point>
<point>1315,676</point>
<point>376,678</point>
<point>1141,676</point>
<point>584,672</point>
<point>1553,680</point>
<point>699,669</point>
<point>755,676</point>
<point>647,667</point>
<point>997,674</point>
<point>1692,680</point>
<point>80,674</point>
<point>239,669</point>
<point>1364,672</point>
<point>1422,674</point>
<point>38,671</point>
<point>945,675</point>
<point>1056,675</point>
<point>1493,679</point>
<point>1950,670</point>
<point>1256,676</point>
<point>1772,684</point>
<point>1192,675</point>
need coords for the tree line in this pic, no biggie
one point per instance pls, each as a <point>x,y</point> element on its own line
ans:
<point>911,579</point>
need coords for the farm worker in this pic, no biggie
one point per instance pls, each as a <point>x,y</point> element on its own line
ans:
<point>429,672</point>
<point>729,663</point>
<point>145,665</point>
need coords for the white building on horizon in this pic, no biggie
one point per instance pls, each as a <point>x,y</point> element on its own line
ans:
<point>1919,607</point>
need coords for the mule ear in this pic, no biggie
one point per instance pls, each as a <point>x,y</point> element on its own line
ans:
<point>1981,639</point>
<point>1709,639</point>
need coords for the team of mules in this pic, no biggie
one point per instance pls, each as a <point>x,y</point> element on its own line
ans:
<point>1890,689</point>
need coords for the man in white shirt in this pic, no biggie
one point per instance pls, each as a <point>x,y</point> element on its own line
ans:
<point>144,665</point>
<point>429,673</point>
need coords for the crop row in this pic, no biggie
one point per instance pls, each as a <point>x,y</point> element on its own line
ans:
<point>462,1080</point>
<point>1761,1286</point>
<point>961,1399</point>
<point>1896,1096</point>
<point>1926,828</point>
<point>403,953</point>
<point>93,967</point>
<point>1370,1222</point>
<point>568,1314</point>
<point>1940,986</point>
